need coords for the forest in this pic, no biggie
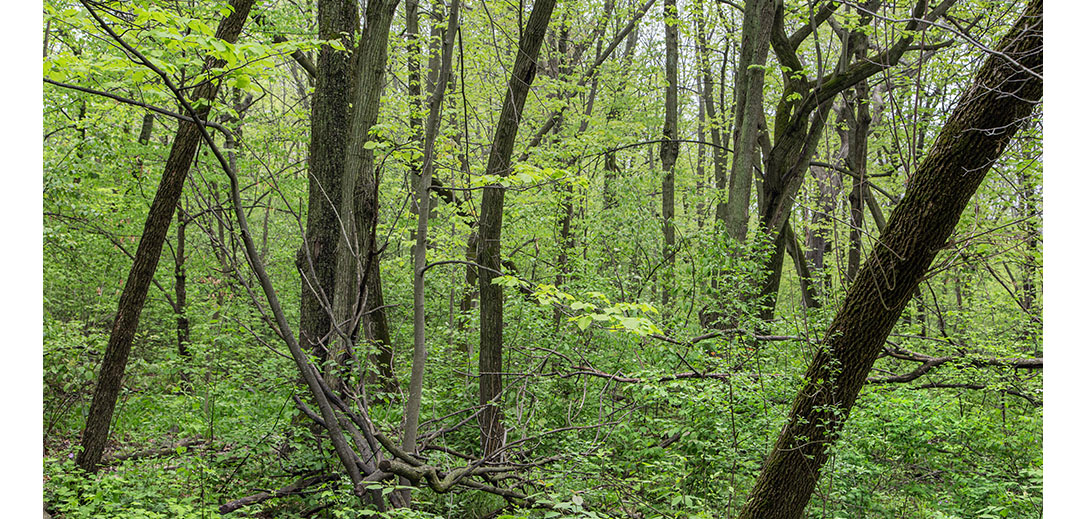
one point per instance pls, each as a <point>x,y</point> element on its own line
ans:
<point>761,259</point>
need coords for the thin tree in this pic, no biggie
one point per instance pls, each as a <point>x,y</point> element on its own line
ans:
<point>490,227</point>
<point>669,148</point>
<point>422,199</point>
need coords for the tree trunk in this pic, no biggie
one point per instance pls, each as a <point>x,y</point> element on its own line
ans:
<point>146,127</point>
<point>490,228</point>
<point>859,123</point>
<point>96,431</point>
<point>357,264</point>
<point>757,25</point>
<point>610,160</point>
<point>720,161</point>
<point>179,288</point>
<point>329,123</point>
<point>669,148</point>
<point>975,135</point>
<point>422,198</point>
<point>803,111</point>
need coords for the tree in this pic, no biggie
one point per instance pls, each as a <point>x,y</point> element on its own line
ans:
<point>1005,92</point>
<point>669,148</point>
<point>490,228</point>
<point>329,134</point>
<point>96,431</point>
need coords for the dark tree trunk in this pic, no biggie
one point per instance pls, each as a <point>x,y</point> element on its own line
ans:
<point>808,288</point>
<point>669,148</point>
<point>377,331</point>
<point>859,123</point>
<point>974,136</point>
<point>819,238</point>
<point>372,59</point>
<point>490,228</point>
<point>1029,264</point>
<point>187,140</point>
<point>179,288</point>
<point>330,125</point>
<point>146,127</point>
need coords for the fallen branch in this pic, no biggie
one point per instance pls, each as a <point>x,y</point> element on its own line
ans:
<point>1014,392</point>
<point>290,489</point>
<point>153,453</point>
<point>593,372</point>
<point>928,363</point>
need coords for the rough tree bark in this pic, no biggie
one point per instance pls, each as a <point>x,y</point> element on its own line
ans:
<point>329,125</point>
<point>490,227</point>
<point>157,225</point>
<point>372,57</point>
<point>357,210</point>
<point>1007,88</point>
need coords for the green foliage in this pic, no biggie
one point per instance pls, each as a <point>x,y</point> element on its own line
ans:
<point>583,309</point>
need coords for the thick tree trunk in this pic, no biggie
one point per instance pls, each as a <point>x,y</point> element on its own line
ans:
<point>490,228</point>
<point>986,119</point>
<point>371,68</point>
<point>143,268</point>
<point>329,122</point>
<point>358,200</point>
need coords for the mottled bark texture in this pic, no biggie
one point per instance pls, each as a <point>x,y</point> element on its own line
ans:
<point>357,215</point>
<point>372,62</point>
<point>329,134</point>
<point>490,227</point>
<point>155,228</point>
<point>1001,100</point>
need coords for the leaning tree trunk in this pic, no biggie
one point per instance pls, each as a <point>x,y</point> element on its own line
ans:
<point>143,268</point>
<point>1002,98</point>
<point>490,228</point>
